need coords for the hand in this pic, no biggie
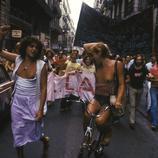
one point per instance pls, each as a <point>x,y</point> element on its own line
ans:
<point>117,105</point>
<point>39,115</point>
<point>150,76</point>
<point>4,29</point>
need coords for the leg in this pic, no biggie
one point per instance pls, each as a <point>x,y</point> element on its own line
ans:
<point>154,119</point>
<point>104,126</point>
<point>20,151</point>
<point>45,140</point>
<point>63,104</point>
<point>132,99</point>
<point>92,108</point>
<point>138,97</point>
<point>148,96</point>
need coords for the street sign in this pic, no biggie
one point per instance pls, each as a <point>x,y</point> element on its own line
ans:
<point>16,33</point>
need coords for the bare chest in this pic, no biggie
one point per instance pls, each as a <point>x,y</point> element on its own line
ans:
<point>105,74</point>
<point>27,71</point>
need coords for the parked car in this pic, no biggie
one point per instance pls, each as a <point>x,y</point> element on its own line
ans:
<point>5,95</point>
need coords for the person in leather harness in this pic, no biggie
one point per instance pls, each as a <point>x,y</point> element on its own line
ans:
<point>104,90</point>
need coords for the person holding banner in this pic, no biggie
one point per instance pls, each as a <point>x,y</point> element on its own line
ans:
<point>71,66</point>
<point>88,65</point>
<point>109,91</point>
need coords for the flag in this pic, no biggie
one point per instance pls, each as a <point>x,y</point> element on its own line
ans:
<point>92,26</point>
<point>128,36</point>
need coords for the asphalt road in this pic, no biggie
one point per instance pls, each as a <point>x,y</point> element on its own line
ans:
<point>65,132</point>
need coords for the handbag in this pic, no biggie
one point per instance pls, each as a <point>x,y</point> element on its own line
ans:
<point>116,112</point>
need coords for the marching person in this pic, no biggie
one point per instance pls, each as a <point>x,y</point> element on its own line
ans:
<point>71,66</point>
<point>29,94</point>
<point>153,77</point>
<point>136,77</point>
<point>104,90</point>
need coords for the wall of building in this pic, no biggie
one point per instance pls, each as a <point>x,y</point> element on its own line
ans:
<point>31,17</point>
<point>66,23</point>
<point>123,14</point>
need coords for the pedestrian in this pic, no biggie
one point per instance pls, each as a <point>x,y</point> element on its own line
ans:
<point>49,59</point>
<point>29,94</point>
<point>88,65</point>
<point>153,77</point>
<point>149,65</point>
<point>135,78</point>
<point>71,66</point>
<point>107,86</point>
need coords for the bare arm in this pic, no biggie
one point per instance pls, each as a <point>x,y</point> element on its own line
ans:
<point>43,89</point>
<point>4,29</point>
<point>9,56</point>
<point>121,87</point>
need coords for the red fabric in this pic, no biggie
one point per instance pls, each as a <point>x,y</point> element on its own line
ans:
<point>154,71</point>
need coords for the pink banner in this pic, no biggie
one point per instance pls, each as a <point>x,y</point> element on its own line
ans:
<point>79,84</point>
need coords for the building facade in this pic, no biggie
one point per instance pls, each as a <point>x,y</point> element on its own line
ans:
<point>67,37</point>
<point>39,18</point>
<point>134,22</point>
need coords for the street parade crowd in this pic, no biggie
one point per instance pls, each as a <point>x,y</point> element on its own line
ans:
<point>95,76</point>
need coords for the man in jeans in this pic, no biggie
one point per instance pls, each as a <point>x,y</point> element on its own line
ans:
<point>153,77</point>
<point>136,77</point>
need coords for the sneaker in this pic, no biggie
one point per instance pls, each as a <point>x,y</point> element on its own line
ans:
<point>45,140</point>
<point>132,126</point>
<point>153,127</point>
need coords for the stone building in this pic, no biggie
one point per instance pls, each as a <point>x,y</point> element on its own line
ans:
<point>133,23</point>
<point>66,23</point>
<point>39,18</point>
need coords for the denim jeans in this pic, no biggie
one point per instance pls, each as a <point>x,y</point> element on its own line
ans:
<point>154,105</point>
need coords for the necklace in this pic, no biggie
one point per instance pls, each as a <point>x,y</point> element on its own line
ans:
<point>26,67</point>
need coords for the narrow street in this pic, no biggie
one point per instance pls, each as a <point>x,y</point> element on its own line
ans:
<point>65,132</point>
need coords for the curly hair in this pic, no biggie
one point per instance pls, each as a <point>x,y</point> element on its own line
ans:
<point>27,41</point>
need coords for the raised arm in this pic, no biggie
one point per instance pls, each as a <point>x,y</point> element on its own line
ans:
<point>4,29</point>
<point>9,56</point>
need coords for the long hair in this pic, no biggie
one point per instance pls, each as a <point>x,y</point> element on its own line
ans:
<point>25,42</point>
<point>97,48</point>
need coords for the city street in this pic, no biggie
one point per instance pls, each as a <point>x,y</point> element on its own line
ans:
<point>65,132</point>
<point>54,50</point>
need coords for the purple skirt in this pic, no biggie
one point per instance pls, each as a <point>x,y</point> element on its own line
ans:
<point>24,126</point>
